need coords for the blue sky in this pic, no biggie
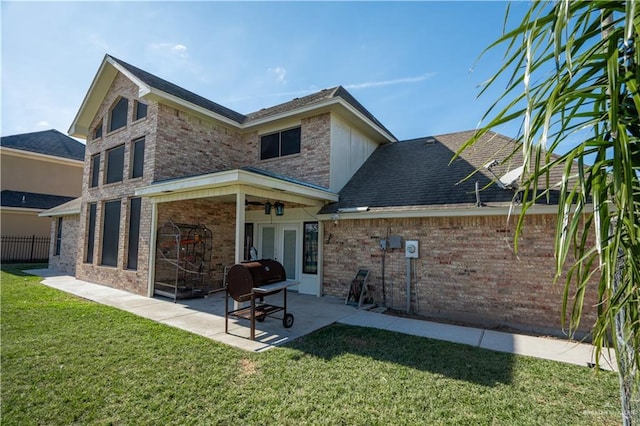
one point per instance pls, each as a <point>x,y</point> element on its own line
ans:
<point>412,64</point>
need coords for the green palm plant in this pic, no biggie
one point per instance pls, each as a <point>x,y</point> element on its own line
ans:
<point>573,77</point>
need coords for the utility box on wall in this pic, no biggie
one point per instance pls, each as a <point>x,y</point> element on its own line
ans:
<point>395,241</point>
<point>411,249</point>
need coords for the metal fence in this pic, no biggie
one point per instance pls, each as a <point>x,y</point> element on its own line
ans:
<point>24,249</point>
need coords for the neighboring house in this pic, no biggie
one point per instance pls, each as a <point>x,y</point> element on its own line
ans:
<point>338,181</point>
<point>40,170</point>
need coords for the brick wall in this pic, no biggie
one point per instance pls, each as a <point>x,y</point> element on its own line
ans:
<point>188,145</point>
<point>467,269</point>
<point>66,260</point>
<point>219,217</point>
<point>311,165</point>
<point>118,276</point>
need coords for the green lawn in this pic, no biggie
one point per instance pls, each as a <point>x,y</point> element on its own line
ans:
<point>70,361</point>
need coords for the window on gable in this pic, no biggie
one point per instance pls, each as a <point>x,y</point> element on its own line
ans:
<point>58,236</point>
<point>140,110</point>
<point>280,144</point>
<point>110,233</point>
<point>91,232</point>
<point>137,163</point>
<point>97,132</point>
<point>95,170</point>
<point>118,115</point>
<point>115,165</point>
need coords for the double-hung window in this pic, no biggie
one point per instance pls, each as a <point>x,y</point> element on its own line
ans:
<point>286,142</point>
<point>110,232</point>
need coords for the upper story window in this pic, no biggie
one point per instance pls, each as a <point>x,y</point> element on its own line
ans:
<point>97,132</point>
<point>137,162</point>
<point>118,115</point>
<point>95,170</point>
<point>115,165</point>
<point>279,144</point>
<point>140,110</point>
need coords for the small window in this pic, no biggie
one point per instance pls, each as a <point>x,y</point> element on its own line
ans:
<point>95,170</point>
<point>280,144</point>
<point>58,236</point>
<point>97,132</point>
<point>91,232</point>
<point>110,233</point>
<point>135,205</point>
<point>310,248</point>
<point>118,115</point>
<point>141,110</point>
<point>137,163</point>
<point>115,164</point>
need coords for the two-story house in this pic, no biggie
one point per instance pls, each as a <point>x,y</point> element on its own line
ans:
<point>40,170</point>
<point>317,183</point>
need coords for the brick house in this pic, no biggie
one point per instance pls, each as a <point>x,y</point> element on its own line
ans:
<point>315,183</point>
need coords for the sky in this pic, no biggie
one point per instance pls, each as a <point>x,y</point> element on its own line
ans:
<point>416,66</point>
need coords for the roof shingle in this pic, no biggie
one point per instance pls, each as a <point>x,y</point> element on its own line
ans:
<point>417,173</point>
<point>47,142</point>
<point>31,200</point>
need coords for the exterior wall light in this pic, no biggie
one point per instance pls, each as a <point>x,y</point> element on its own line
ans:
<point>279,208</point>
<point>267,207</point>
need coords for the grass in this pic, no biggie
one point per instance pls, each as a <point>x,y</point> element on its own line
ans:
<point>70,361</point>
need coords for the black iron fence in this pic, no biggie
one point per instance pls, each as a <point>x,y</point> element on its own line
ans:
<point>24,249</point>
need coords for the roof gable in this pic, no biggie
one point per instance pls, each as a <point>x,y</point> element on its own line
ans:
<point>157,88</point>
<point>47,142</point>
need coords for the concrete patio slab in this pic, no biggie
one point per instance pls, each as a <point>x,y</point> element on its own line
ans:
<point>205,317</point>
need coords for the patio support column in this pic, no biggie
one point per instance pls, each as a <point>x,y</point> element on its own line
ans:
<point>152,247</point>
<point>240,200</point>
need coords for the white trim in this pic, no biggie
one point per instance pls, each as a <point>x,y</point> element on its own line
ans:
<point>235,177</point>
<point>151,272</point>
<point>41,157</point>
<point>443,212</point>
<point>21,210</point>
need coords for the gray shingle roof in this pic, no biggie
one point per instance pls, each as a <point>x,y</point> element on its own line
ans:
<point>417,173</point>
<point>314,98</point>
<point>31,200</point>
<point>191,97</point>
<point>48,142</point>
<point>181,93</point>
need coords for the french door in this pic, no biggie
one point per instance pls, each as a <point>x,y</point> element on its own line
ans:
<point>281,242</point>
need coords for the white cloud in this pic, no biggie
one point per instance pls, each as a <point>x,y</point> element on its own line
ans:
<point>280,74</point>
<point>406,80</point>
<point>43,124</point>
<point>174,49</point>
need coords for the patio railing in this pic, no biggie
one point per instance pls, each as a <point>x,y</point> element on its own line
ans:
<point>30,249</point>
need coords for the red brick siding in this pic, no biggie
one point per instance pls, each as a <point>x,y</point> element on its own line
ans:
<point>467,269</point>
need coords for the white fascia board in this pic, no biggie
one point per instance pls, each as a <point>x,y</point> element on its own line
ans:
<point>444,212</point>
<point>234,177</point>
<point>327,104</point>
<point>154,93</point>
<point>20,210</point>
<point>81,130</point>
<point>41,157</point>
<point>65,212</point>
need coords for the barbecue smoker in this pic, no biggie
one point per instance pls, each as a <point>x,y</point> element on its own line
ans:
<point>248,281</point>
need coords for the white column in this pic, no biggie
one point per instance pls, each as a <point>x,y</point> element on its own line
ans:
<point>240,200</point>
<point>152,247</point>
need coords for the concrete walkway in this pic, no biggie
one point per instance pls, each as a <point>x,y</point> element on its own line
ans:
<point>206,318</point>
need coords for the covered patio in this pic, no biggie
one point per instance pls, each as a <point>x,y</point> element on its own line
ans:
<point>243,209</point>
